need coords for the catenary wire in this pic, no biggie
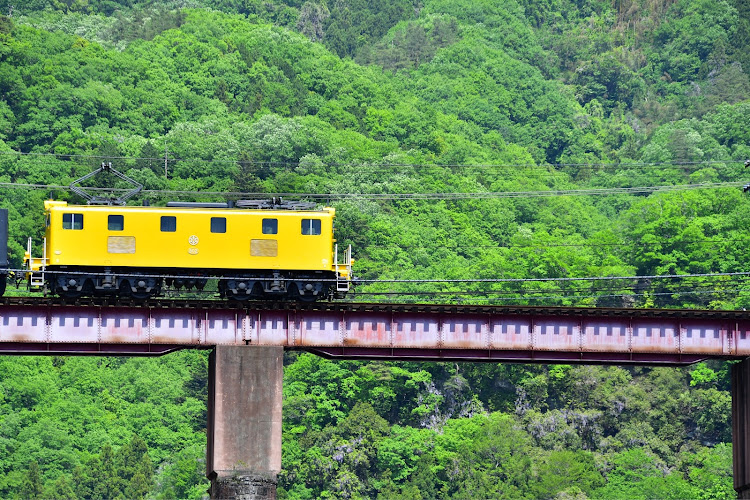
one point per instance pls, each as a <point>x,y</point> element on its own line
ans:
<point>559,296</point>
<point>580,287</point>
<point>331,196</point>
<point>526,280</point>
<point>377,164</point>
<point>410,196</point>
<point>551,245</point>
<point>569,297</point>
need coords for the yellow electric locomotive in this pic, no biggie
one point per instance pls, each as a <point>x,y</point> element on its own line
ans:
<point>255,249</point>
<point>136,251</point>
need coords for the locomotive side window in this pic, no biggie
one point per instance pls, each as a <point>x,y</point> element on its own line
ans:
<point>311,226</point>
<point>72,221</point>
<point>115,222</point>
<point>168,224</point>
<point>218,224</point>
<point>270,226</point>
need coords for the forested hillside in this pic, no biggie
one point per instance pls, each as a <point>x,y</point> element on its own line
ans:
<point>512,143</point>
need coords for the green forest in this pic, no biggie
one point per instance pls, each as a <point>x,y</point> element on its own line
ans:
<point>512,143</point>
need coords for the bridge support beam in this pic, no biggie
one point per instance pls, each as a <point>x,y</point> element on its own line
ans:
<point>741,427</point>
<point>244,421</point>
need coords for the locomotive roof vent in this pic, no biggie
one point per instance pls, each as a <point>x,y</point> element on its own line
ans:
<point>198,204</point>
<point>270,204</point>
<point>276,203</point>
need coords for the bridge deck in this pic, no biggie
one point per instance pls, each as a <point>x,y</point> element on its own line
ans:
<point>382,331</point>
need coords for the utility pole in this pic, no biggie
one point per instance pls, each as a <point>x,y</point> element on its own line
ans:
<point>166,161</point>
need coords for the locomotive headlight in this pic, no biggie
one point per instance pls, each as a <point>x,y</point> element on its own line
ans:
<point>309,287</point>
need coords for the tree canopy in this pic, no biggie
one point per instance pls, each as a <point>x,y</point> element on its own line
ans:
<point>457,140</point>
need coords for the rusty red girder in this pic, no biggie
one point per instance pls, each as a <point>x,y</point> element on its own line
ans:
<point>380,331</point>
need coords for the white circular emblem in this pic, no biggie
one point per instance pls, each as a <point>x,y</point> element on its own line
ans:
<point>193,240</point>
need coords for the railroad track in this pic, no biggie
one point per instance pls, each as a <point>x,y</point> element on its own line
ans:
<point>208,304</point>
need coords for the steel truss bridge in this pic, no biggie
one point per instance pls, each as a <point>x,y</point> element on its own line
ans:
<point>343,330</point>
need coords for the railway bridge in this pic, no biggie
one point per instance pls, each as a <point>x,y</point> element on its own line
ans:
<point>248,340</point>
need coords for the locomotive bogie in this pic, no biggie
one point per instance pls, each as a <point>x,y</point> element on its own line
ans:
<point>73,283</point>
<point>277,285</point>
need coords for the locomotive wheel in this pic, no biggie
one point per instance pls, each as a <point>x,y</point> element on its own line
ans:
<point>70,294</point>
<point>142,294</point>
<point>239,297</point>
<point>142,286</point>
<point>228,293</point>
<point>86,289</point>
<point>307,298</point>
<point>293,293</point>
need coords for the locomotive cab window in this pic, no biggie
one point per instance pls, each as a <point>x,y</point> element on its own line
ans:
<point>72,221</point>
<point>168,224</point>
<point>115,222</point>
<point>311,226</point>
<point>270,226</point>
<point>218,224</point>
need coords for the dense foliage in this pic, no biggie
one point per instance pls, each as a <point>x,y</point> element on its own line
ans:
<point>567,139</point>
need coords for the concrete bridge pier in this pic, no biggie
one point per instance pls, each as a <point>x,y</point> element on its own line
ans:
<point>244,422</point>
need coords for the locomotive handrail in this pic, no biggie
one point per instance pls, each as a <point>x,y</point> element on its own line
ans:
<point>343,278</point>
<point>36,266</point>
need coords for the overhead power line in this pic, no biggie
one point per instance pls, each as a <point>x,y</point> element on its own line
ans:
<point>375,164</point>
<point>582,297</point>
<point>540,244</point>
<point>623,290</point>
<point>527,280</point>
<point>412,196</point>
<point>559,296</point>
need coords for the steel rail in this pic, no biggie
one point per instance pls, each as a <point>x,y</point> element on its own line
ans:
<point>345,306</point>
<point>364,281</point>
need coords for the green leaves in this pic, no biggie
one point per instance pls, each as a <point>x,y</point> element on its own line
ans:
<point>477,97</point>
<point>105,418</point>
